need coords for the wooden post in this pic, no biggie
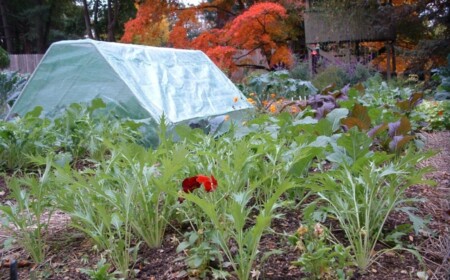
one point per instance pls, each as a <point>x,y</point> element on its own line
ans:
<point>310,63</point>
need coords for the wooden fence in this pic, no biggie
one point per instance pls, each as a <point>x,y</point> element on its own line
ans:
<point>24,63</point>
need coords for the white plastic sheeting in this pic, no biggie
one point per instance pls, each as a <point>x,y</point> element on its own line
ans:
<point>142,82</point>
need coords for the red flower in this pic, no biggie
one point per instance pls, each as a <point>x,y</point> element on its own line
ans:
<point>190,184</point>
<point>210,183</point>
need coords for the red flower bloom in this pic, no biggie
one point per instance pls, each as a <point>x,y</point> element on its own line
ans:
<point>210,183</point>
<point>190,184</point>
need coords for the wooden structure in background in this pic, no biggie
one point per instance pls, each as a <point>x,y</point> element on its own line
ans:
<point>358,24</point>
<point>24,63</point>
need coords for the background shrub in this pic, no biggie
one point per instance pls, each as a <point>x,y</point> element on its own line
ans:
<point>361,73</point>
<point>331,75</point>
<point>4,58</point>
<point>301,72</point>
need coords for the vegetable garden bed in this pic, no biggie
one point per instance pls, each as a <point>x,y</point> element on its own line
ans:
<point>332,189</point>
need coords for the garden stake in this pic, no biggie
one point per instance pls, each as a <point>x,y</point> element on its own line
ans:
<point>13,270</point>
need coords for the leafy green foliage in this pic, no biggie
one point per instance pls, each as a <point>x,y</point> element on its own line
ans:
<point>391,136</point>
<point>331,75</point>
<point>201,253</point>
<point>131,194</point>
<point>362,196</point>
<point>279,83</point>
<point>101,209</point>
<point>379,93</point>
<point>342,75</point>
<point>443,76</point>
<point>300,71</point>
<point>231,226</point>
<point>321,257</point>
<point>11,84</point>
<point>121,194</point>
<point>28,217</point>
<point>82,132</point>
<point>433,115</point>
<point>4,58</point>
<point>100,272</point>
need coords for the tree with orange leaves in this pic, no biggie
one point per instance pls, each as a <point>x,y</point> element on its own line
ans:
<point>261,27</point>
<point>229,32</point>
<point>150,27</point>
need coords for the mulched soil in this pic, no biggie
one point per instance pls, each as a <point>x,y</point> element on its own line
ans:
<point>69,251</point>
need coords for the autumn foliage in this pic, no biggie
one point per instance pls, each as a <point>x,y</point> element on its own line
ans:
<point>150,27</point>
<point>261,28</point>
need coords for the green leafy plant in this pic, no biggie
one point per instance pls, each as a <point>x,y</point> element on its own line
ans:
<point>331,75</point>
<point>153,179</point>
<point>277,83</point>
<point>200,254</point>
<point>238,241</point>
<point>88,130</point>
<point>83,132</point>
<point>100,272</point>
<point>392,136</point>
<point>350,147</point>
<point>132,194</point>
<point>433,115</point>
<point>30,135</point>
<point>379,93</point>
<point>300,71</point>
<point>100,206</point>
<point>320,256</point>
<point>442,75</point>
<point>361,198</point>
<point>11,84</point>
<point>4,58</point>
<point>28,217</point>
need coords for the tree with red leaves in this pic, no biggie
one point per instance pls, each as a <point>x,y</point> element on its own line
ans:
<point>229,33</point>
<point>150,27</point>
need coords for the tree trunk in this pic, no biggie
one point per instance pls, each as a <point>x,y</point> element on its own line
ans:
<point>6,29</point>
<point>388,61</point>
<point>42,45</point>
<point>112,19</point>
<point>394,60</point>
<point>87,19</point>
<point>95,26</point>
<point>40,23</point>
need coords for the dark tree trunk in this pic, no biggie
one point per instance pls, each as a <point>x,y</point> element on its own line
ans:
<point>113,12</point>
<point>87,19</point>
<point>40,23</point>
<point>6,28</point>
<point>388,61</point>
<point>46,23</point>
<point>394,59</point>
